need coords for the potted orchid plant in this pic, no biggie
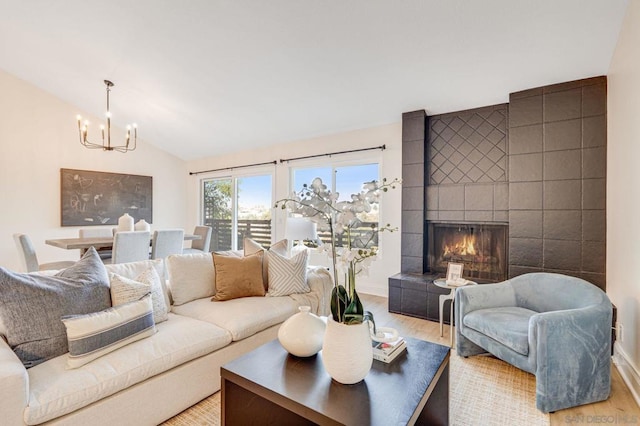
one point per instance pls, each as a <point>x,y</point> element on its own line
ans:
<point>340,218</point>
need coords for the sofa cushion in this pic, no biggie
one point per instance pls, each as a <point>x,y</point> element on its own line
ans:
<point>31,306</point>
<point>125,290</point>
<point>251,247</point>
<point>508,326</point>
<point>288,275</point>
<point>55,391</point>
<point>93,335</point>
<point>238,276</point>
<point>191,277</point>
<point>242,317</point>
<point>134,269</point>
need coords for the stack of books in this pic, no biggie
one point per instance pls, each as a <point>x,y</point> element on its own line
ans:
<point>387,352</point>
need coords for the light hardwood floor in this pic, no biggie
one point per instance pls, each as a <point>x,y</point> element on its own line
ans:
<point>619,404</point>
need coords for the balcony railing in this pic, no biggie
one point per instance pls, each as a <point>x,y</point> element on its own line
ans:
<point>257,230</point>
<point>260,231</point>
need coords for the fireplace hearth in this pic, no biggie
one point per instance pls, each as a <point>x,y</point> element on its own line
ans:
<point>482,248</point>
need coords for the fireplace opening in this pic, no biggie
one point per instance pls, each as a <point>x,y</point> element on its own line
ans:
<point>482,248</point>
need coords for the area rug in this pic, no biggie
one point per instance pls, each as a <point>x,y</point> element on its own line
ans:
<point>483,390</point>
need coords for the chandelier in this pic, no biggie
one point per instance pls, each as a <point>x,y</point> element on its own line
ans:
<point>83,128</point>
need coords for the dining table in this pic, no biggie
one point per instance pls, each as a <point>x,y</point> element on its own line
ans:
<point>97,242</point>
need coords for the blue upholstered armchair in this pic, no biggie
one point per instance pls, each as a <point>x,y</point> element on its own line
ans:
<point>553,326</point>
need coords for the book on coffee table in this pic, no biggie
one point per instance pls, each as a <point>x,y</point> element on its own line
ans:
<point>387,352</point>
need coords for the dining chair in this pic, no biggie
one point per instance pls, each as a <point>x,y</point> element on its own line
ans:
<point>202,245</point>
<point>130,246</point>
<point>104,253</point>
<point>29,260</point>
<point>167,242</point>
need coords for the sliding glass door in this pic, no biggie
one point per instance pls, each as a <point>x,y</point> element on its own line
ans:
<point>238,207</point>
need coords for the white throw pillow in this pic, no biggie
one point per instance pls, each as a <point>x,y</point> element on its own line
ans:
<point>191,277</point>
<point>287,275</point>
<point>133,269</point>
<point>93,335</point>
<point>125,290</point>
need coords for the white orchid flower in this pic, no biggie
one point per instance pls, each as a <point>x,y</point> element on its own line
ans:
<point>316,202</point>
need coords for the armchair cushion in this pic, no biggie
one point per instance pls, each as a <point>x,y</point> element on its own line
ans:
<point>508,326</point>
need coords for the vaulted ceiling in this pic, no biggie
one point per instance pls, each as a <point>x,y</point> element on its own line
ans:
<point>208,77</point>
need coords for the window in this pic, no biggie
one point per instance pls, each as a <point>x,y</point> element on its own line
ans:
<point>345,180</point>
<point>238,207</point>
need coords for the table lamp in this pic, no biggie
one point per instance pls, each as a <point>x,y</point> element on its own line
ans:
<point>300,229</point>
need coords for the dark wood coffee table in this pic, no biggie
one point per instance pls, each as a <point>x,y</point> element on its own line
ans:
<point>269,386</point>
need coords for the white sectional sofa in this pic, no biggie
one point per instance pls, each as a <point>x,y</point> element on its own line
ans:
<point>153,379</point>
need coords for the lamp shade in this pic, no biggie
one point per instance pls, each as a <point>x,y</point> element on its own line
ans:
<point>300,228</point>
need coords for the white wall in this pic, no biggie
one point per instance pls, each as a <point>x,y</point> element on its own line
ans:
<point>623,191</point>
<point>388,263</point>
<point>38,137</point>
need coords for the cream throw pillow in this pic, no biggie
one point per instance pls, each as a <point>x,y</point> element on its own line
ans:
<point>238,276</point>
<point>93,335</point>
<point>125,290</point>
<point>191,277</point>
<point>251,247</point>
<point>288,275</point>
<point>133,269</point>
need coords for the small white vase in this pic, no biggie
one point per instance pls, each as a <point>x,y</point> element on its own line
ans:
<point>125,223</point>
<point>302,334</point>
<point>142,225</point>
<point>347,353</point>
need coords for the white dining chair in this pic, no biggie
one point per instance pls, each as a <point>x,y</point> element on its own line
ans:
<point>167,242</point>
<point>130,246</point>
<point>202,245</point>
<point>29,260</point>
<point>105,253</point>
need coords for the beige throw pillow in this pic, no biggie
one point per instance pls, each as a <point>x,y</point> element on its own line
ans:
<point>133,269</point>
<point>125,290</point>
<point>238,276</point>
<point>251,247</point>
<point>191,277</point>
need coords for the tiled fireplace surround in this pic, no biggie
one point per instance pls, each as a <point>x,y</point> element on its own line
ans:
<point>536,164</point>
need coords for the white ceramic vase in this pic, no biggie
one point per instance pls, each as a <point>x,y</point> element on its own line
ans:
<point>125,223</point>
<point>347,353</point>
<point>142,225</point>
<point>302,334</point>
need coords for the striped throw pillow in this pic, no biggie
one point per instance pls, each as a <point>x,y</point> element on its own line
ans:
<point>93,335</point>
<point>287,275</point>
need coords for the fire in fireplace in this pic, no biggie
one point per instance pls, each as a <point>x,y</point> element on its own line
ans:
<point>482,248</point>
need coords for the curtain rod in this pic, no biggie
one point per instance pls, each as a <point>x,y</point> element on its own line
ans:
<point>235,167</point>
<point>381,147</point>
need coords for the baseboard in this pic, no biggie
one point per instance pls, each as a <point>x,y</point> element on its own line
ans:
<point>627,370</point>
<point>371,289</point>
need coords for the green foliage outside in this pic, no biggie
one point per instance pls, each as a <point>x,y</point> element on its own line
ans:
<point>217,199</point>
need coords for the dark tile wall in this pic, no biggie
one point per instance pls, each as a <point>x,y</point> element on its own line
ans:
<point>557,179</point>
<point>467,166</point>
<point>413,226</point>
